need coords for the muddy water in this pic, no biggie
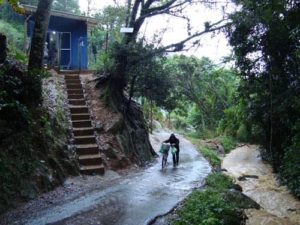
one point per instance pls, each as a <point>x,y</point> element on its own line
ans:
<point>279,206</point>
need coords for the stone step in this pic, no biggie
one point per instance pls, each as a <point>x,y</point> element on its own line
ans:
<point>77,102</point>
<point>79,109</point>
<point>83,131</point>
<point>75,76</point>
<point>74,91</point>
<point>74,86</point>
<point>81,140</point>
<point>96,169</point>
<point>87,149</point>
<point>89,160</point>
<point>80,116</point>
<point>82,123</point>
<point>73,80</point>
<point>75,96</point>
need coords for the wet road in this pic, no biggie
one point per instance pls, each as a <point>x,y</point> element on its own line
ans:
<point>136,198</point>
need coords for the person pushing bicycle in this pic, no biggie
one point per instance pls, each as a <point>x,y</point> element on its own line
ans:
<point>174,142</point>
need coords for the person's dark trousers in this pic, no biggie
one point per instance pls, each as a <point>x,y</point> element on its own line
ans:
<point>174,159</point>
<point>177,157</point>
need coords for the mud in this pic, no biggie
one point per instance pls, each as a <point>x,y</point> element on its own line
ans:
<point>279,206</point>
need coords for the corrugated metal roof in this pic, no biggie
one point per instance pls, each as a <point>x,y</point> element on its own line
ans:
<point>91,21</point>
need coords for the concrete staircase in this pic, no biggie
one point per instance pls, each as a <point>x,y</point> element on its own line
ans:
<point>86,146</point>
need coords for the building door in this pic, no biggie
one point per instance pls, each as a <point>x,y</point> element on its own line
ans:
<point>65,50</point>
<point>53,46</point>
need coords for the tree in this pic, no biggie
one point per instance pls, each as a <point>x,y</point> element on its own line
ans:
<point>42,17</point>
<point>116,80</point>
<point>70,6</point>
<point>265,38</point>
<point>204,84</point>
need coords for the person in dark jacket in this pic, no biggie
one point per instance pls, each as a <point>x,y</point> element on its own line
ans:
<point>174,141</point>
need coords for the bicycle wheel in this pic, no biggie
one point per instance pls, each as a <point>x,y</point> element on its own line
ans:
<point>164,161</point>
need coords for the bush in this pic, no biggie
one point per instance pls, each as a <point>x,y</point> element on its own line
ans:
<point>208,207</point>
<point>290,168</point>
<point>211,156</point>
<point>228,143</point>
<point>15,37</point>
<point>219,181</point>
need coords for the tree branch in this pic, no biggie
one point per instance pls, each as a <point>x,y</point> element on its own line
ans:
<point>179,45</point>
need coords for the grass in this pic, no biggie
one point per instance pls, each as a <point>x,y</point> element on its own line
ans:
<point>211,156</point>
<point>228,143</point>
<point>219,181</point>
<point>208,207</point>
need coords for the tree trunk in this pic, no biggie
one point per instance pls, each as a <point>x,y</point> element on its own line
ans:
<point>42,17</point>
<point>133,133</point>
<point>151,116</point>
<point>3,48</point>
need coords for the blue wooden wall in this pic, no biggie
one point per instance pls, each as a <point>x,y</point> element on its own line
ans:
<point>78,30</point>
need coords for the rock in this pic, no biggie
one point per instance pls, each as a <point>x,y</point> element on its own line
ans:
<point>241,200</point>
<point>237,187</point>
<point>243,177</point>
<point>109,151</point>
<point>223,170</point>
<point>220,149</point>
<point>98,126</point>
<point>114,126</point>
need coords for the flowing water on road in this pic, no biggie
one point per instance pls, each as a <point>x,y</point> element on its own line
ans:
<point>279,206</point>
<point>134,199</point>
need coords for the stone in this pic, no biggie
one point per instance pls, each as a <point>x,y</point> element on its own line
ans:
<point>98,126</point>
<point>114,126</point>
<point>237,187</point>
<point>244,177</point>
<point>239,199</point>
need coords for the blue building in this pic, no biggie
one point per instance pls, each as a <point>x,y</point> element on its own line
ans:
<point>66,46</point>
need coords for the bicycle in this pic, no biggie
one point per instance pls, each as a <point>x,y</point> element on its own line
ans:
<point>164,150</point>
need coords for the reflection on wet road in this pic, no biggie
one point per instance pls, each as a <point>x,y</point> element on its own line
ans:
<point>136,198</point>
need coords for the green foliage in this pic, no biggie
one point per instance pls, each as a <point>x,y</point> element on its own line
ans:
<point>228,143</point>
<point>14,34</point>
<point>219,181</point>
<point>208,207</point>
<point>105,63</point>
<point>111,19</point>
<point>265,38</point>
<point>70,6</point>
<point>29,138</point>
<point>14,4</point>
<point>290,168</point>
<point>206,88</point>
<point>211,156</point>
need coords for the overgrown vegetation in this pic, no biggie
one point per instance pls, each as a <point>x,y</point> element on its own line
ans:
<point>265,38</point>
<point>227,142</point>
<point>209,206</point>
<point>211,156</point>
<point>33,154</point>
